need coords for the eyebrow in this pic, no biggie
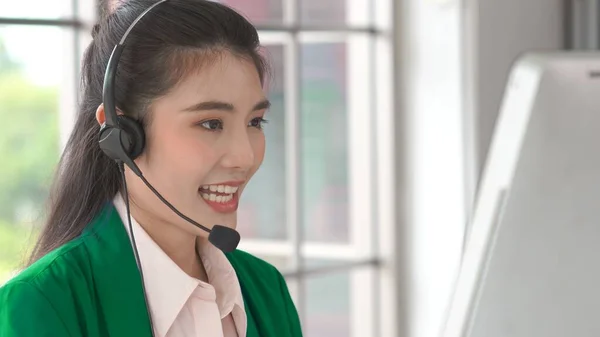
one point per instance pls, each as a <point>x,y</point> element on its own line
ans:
<point>224,106</point>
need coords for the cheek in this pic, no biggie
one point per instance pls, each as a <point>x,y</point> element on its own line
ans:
<point>194,156</point>
<point>258,147</point>
<point>181,156</point>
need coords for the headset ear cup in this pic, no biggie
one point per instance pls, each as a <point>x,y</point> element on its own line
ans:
<point>135,131</point>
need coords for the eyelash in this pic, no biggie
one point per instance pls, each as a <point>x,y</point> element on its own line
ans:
<point>206,124</point>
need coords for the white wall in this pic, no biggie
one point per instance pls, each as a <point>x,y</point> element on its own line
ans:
<point>503,29</point>
<point>430,172</point>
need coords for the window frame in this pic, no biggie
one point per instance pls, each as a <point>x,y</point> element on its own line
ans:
<point>371,279</point>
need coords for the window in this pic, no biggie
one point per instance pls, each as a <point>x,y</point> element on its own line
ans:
<point>37,102</point>
<point>37,9</point>
<point>311,210</point>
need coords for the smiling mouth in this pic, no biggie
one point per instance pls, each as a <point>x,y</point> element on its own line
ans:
<point>218,193</point>
<point>221,198</point>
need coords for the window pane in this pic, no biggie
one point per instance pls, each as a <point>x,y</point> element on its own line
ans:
<point>323,12</point>
<point>327,302</point>
<point>262,211</point>
<point>324,142</point>
<point>258,11</point>
<point>280,262</point>
<point>355,13</point>
<point>30,95</point>
<point>36,9</point>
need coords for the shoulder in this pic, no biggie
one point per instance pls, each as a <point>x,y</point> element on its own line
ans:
<point>245,263</point>
<point>26,312</point>
<point>51,275</point>
<point>255,273</point>
<point>58,265</point>
<point>40,291</point>
<point>66,266</point>
<point>262,283</point>
<point>257,276</point>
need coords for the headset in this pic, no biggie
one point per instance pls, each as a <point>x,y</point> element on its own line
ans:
<point>122,138</point>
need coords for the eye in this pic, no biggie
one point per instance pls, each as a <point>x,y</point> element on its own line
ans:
<point>212,124</point>
<point>258,123</point>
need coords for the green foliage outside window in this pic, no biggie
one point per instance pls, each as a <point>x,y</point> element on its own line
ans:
<point>29,146</point>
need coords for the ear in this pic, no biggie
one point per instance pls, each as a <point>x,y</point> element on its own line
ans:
<point>101,117</point>
<point>100,114</point>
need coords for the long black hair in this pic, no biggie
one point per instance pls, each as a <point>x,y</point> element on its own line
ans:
<point>175,38</point>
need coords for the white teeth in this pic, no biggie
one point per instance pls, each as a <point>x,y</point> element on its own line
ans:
<point>220,188</point>
<point>225,193</point>
<point>217,198</point>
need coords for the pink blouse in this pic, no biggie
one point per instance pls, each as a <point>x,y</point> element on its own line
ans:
<point>183,306</point>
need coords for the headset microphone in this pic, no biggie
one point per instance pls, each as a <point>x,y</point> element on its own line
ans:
<point>122,138</point>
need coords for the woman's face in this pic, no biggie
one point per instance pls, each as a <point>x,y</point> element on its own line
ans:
<point>204,143</point>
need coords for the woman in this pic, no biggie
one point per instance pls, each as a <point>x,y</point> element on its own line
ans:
<point>113,258</point>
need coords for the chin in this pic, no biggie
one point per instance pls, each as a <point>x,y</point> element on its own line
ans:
<point>229,220</point>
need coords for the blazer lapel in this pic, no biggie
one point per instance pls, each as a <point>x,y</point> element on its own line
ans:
<point>251,328</point>
<point>117,279</point>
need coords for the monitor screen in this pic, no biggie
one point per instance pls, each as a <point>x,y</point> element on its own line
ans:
<point>531,265</point>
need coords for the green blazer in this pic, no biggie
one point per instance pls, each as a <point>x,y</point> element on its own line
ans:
<point>91,287</point>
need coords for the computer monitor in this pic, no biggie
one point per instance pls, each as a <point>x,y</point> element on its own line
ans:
<point>531,266</point>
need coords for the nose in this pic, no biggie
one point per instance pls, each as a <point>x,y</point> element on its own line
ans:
<point>239,153</point>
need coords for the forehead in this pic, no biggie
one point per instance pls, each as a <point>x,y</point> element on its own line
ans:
<point>223,77</point>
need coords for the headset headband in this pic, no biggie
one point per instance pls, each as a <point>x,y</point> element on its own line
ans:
<point>108,90</point>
